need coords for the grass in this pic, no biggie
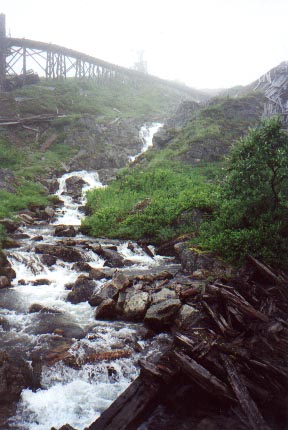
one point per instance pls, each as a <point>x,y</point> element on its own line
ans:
<point>165,196</point>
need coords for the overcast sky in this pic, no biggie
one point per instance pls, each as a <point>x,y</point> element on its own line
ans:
<point>204,43</point>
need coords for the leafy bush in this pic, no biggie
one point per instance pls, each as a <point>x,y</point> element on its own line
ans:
<point>168,190</point>
<point>253,212</point>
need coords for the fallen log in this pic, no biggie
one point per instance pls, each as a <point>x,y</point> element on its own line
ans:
<point>249,407</point>
<point>131,407</point>
<point>203,377</point>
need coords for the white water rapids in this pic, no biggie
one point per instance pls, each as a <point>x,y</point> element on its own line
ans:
<point>69,395</point>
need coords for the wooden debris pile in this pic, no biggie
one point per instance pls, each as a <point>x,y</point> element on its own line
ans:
<point>238,352</point>
<point>234,349</point>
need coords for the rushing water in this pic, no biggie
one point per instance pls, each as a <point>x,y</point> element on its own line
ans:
<point>68,395</point>
<point>146,135</point>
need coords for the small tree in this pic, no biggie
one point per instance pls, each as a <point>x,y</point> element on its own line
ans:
<point>253,212</point>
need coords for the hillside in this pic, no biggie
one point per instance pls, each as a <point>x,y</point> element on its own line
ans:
<point>73,125</point>
<point>179,177</point>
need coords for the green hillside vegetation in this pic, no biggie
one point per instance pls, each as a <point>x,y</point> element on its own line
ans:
<point>172,183</point>
<point>21,153</point>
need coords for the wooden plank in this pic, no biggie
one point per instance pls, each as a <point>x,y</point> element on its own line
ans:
<point>130,408</point>
<point>249,407</point>
<point>203,377</point>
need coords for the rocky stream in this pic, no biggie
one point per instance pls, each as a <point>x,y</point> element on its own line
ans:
<point>102,334</point>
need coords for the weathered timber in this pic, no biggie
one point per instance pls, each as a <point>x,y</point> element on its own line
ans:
<point>254,417</point>
<point>130,408</point>
<point>267,272</point>
<point>203,377</point>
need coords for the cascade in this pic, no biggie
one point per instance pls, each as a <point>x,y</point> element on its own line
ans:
<point>69,394</point>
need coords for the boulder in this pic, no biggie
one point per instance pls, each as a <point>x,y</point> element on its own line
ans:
<point>82,290</point>
<point>185,315</point>
<point>57,323</point>
<point>42,281</point>
<point>9,224</point>
<point>49,212</point>
<point>65,253</point>
<point>15,375</point>
<point>8,182</point>
<point>96,274</point>
<point>81,266</point>
<point>4,282</point>
<point>106,310</point>
<point>120,281</point>
<point>108,291</point>
<point>162,315</point>
<point>194,259</point>
<point>65,231</point>
<point>48,260</point>
<point>136,306</point>
<point>163,294</point>
<point>36,307</point>
<point>4,323</point>
<point>74,186</point>
<point>113,258</point>
<point>37,238</point>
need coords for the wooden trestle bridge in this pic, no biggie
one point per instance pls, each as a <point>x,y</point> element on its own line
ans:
<point>56,62</point>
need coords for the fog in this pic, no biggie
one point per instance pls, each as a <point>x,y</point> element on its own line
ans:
<point>203,43</point>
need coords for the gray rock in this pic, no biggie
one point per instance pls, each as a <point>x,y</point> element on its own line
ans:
<point>106,310</point>
<point>96,274</point>
<point>65,231</point>
<point>65,253</point>
<point>15,375</point>
<point>48,260</point>
<point>163,294</point>
<point>162,315</point>
<point>50,212</point>
<point>185,314</point>
<point>10,225</point>
<point>82,290</point>
<point>4,282</point>
<point>136,306</point>
<point>108,291</point>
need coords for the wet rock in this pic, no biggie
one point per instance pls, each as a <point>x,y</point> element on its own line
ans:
<point>81,266</point>
<point>108,291</point>
<point>4,323</point>
<point>74,186</point>
<point>113,258</point>
<point>162,315</point>
<point>5,267</point>
<point>65,253</point>
<point>49,212</point>
<point>15,375</point>
<point>27,219</point>
<point>4,282</point>
<point>120,281</point>
<point>10,243</point>
<point>41,282</point>
<point>163,294</point>
<point>96,274</point>
<point>136,306</point>
<point>106,310</point>
<point>36,307</point>
<point>48,260</point>
<point>82,290</point>
<point>65,231</point>
<point>47,323</point>
<point>10,225</point>
<point>37,238</point>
